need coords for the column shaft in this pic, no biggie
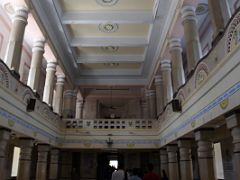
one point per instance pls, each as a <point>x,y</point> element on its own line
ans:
<point>233,123</point>
<point>54,164</point>
<point>49,82</point>
<point>167,81</point>
<point>193,46</point>
<point>14,47</point>
<point>178,75</point>
<point>69,103</point>
<point>172,162</point>
<point>66,165</point>
<point>218,15</point>
<point>79,109</point>
<point>186,169</point>
<point>205,154</point>
<point>151,96</point>
<point>164,161</point>
<point>4,138</point>
<point>41,173</point>
<point>144,109</point>
<point>36,63</point>
<point>58,103</point>
<point>25,159</point>
<point>159,93</point>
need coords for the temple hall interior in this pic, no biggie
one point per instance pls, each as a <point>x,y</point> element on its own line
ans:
<point>87,86</point>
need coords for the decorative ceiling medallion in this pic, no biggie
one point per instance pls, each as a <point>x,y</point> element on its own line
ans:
<point>111,64</point>
<point>9,8</point>
<point>108,27</point>
<point>107,2</point>
<point>110,49</point>
<point>202,8</point>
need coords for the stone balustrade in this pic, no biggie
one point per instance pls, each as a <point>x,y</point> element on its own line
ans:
<point>111,124</point>
<point>207,66</point>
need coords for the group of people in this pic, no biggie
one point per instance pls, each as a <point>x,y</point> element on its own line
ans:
<point>120,174</point>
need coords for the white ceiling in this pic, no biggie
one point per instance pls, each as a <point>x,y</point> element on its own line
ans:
<point>99,42</point>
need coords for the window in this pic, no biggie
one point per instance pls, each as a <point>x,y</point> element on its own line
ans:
<point>113,163</point>
<point>15,161</point>
<point>218,162</point>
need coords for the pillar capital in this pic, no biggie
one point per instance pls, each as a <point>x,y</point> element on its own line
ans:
<point>21,14</point>
<point>172,148</point>
<point>175,43</point>
<point>60,79</point>
<point>51,65</point>
<point>188,13</point>
<point>185,143</point>
<point>4,134</point>
<point>233,119</point>
<point>38,44</point>
<point>69,93</point>
<point>158,79</point>
<point>150,93</point>
<point>80,101</point>
<point>43,147</point>
<point>166,65</point>
<point>204,134</point>
<point>26,142</point>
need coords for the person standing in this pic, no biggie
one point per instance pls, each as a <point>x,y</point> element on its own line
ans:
<point>150,175</point>
<point>119,174</point>
<point>135,175</point>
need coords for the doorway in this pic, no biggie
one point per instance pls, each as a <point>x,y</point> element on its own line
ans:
<point>107,163</point>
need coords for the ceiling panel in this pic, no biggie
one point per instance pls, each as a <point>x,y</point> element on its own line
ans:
<point>109,50</point>
<point>93,5</point>
<point>93,66</point>
<point>89,30</point>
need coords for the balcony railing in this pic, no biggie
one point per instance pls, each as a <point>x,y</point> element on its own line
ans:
<point>111,124</point>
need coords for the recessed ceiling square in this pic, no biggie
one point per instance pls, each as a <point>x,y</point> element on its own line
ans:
<point>93,5</point>
<point>89,30</point>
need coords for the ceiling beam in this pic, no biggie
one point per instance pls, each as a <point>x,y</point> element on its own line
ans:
<point>106,58</point>
<point>111,81</point>
<point>127,41</point>
<point>97,17</point>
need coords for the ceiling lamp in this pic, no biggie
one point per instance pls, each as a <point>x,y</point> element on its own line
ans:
<point>108,27</point>
<point>107,2</point>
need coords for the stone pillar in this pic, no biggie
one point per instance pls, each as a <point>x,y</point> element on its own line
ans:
<point>159,93</point>
<point>226,10</point>
<point>66,165</point>
<point>58,103</point>
<point>193,46</point>
<point>54,164</point>
<point>69,103</point>
<point>167,81</point>
<point>178,75</point>
<point>79,108</point>
<point>36,63</point>
<point>144,109</point>
<point>151,96</point>
<point>4,138</point>
<point>49,82</point>
<point>186,169</point>
<point>205,153</point>
<point>233,124</point>
<point>172,162</point>
<point>41,173</point>
<point>24,169</point>
<point>163,161</point>
<point>218,15</point>
<point>14,47</point>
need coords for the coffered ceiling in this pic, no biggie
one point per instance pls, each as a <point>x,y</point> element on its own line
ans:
<point>106,42</point>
